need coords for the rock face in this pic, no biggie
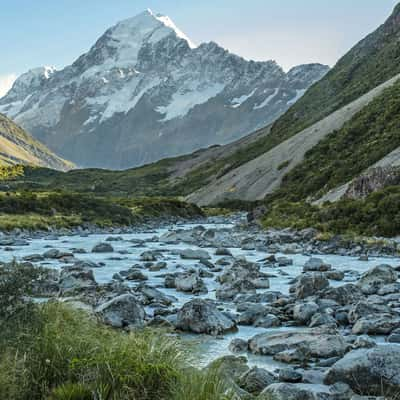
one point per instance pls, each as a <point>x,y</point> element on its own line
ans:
<point>144,92</point>
<point>202,316</point>
<point>122,311</point>
<point>371,181</point>
<point>369,371</point>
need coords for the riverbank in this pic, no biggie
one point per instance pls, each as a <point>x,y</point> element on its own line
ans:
<point>282,299</point>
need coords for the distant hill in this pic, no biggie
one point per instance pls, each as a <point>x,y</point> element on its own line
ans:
<point>18,147</point>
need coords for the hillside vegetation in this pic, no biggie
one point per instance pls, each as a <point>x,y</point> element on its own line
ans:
<point>41,210</point>
<point>369,136</point>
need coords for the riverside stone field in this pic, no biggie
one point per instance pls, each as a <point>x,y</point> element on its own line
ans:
<point>283,311</point>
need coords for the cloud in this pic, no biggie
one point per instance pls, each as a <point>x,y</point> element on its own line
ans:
<point>6,82</point>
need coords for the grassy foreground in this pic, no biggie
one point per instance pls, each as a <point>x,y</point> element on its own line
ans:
<point>52,352</point>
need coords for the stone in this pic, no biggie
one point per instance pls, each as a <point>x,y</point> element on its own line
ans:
<point>190,282</point>
<point>289,375</point>
<point>364,309</point>
<point>122,311</point>
<point>223,251</point>
<point>368,371</point>
<point>310,284</point>
<point>202,316</point>
<point>316,265</point>
<point>102,248</point>
<point>148,256</point>
<point>343,295</point>
<point>303,312</point>
<point>189,254</point>
<point>377,277</point>
<point>305,391</point>
<point>255,380</point>
<point>322,319</point>
<point>238,345</point>
<point>136,275</point>
<point>319,343</point>
<point>376,325</point>
<point>75,278</point>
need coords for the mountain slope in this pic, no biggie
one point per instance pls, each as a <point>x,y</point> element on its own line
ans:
<point>17,147</point>
<point>144,92</point>
<point>260,168</point>
<point>169,177</point>
<point>264,174</point>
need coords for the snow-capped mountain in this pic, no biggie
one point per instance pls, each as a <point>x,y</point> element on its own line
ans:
<point>144,91</point>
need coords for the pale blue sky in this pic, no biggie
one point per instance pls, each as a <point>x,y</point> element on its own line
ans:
<point>56,32</point>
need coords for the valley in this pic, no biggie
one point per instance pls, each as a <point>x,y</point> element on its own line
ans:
<point>178,222</point>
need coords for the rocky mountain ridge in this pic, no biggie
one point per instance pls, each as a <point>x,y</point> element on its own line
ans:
<point>145,92</point>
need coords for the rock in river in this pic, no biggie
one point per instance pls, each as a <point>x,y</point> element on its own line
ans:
<point>202,316</point>
<point>318,343</point>
<point>368,372</point>
<point>102,248</point>
<point>122,311</point>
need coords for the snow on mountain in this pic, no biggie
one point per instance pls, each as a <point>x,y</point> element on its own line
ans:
<point>144,91</point>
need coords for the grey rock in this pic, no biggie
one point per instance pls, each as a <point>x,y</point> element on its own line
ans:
<point>303,391</point>
<point>316,265</point>
<point>368,371</point>
<point>319,343</point>
<point>377,277</point>
<point>303,312</point>
<point>102,248</point>
<point>202,316</point>
<point>122,311</point>
<point>255,380</point>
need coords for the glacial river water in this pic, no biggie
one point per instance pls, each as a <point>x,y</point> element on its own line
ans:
<point>207,348</point>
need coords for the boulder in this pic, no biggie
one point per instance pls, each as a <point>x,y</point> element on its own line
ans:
<point>364,309</point>
<point>289,375</point>
<point>305,391</point>
<point>136,275</point>
<point>310,284</point>
<point>238,346</point>
<point>223,251</point>
<point>255,380</point>
<point>122,311</point>
<point>303,312</point>
<point>152,295</point>
<point>103,248</point>
<point>316,265</point>
<point>343,295</point>
<point>202,316</point>
<point>376,325</point>
<point>322,319</point>
<point>317,342</point>
<point>369,371</point>
<point>148,256</point>
<point>190,282</point>
<point>189,254</point>
<point>75,278</point>
<point>377,277</point>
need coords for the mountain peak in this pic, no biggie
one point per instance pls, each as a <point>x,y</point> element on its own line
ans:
<point>147,26</point>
